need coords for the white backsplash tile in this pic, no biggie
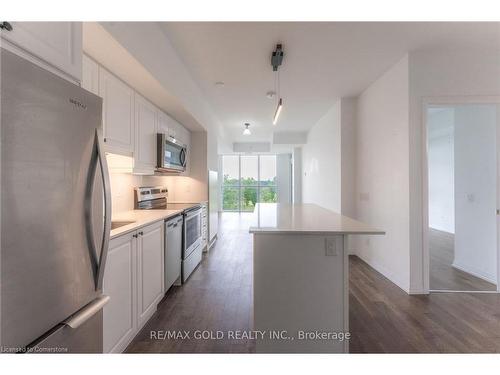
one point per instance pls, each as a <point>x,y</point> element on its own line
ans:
<point>122,190</point>
<point>180,189</point>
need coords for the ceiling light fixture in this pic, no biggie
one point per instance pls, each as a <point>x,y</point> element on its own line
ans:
<point>278,111</point>
<point>247,130</point>
<point>276,60</point>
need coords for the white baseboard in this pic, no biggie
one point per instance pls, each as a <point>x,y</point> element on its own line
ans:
<point>486,277</point>
<point>442,230</point>
<point>394,278</point>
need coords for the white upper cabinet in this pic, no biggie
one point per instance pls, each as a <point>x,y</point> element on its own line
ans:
<point>145,135</point>
<point>184,137</point>
<point>164,123</point>
<point>118,113</point>
<point>130,121</point>
<point>182,134</point>
<point>172,128</point>
<point>90,75</point>
<point>52,44</point>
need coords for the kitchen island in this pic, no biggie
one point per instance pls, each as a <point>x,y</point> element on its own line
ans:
<point>300,277</point>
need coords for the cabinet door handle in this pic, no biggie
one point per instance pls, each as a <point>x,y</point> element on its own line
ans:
<point>134,235</point>
<point>6,26</point>
<point>141,233</point>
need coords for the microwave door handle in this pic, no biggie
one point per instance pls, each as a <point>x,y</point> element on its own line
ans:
<point>183,157</point>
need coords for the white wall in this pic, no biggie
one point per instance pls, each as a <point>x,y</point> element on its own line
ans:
<point>476,190</point>
<point>284,177</point>
<point>348,108</point>
<point>440,125</point>
<point>433,74</point>
<point>382,174</point>
<point>297,175</point>
<point>388,154</point>
<point>321,162</point>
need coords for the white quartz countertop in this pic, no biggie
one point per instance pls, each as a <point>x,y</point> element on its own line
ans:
<point>305,218</point>
<point>141,218</point>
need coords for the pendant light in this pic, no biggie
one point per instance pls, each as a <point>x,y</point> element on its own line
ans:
<point>247,130</point>
<point>276,60</point>
<point>278,111</point>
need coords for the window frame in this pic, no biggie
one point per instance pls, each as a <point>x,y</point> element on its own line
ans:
<point>240,187</point>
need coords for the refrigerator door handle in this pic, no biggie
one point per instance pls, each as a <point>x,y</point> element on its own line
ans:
<point>86,312</point>
<point>107,209</point>
<point>98,158</point>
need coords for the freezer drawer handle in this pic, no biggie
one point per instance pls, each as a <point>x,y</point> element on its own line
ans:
<point>86,312</point>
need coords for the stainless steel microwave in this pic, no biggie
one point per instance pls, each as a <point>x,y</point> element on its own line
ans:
<point>171,155</point>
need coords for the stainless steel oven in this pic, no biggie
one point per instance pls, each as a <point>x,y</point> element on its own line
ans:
<point>171,155</point>
<point>192,249</point>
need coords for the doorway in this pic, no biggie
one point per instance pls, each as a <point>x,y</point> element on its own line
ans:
<point>462,170</point>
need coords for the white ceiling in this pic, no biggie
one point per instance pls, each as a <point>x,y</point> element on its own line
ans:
<point>323,61</point>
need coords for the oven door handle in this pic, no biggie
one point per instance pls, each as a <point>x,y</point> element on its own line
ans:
<point>193,212</point>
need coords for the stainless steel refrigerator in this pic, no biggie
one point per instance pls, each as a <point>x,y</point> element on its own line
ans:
<point>55,212</point>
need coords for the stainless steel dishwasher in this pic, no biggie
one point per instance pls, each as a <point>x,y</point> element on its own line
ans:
<point>173,251</point>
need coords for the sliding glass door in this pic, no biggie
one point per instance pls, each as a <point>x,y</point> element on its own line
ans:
<point>248,179</point>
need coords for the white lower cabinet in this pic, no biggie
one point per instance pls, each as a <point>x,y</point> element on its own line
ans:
<point>149,271</point>
<point>120,283</point>
<point>134,281</point>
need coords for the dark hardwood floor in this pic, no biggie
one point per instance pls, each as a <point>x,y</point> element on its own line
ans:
<point>217,296</point>
<point>383,318</point>
<point>442,275</point>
